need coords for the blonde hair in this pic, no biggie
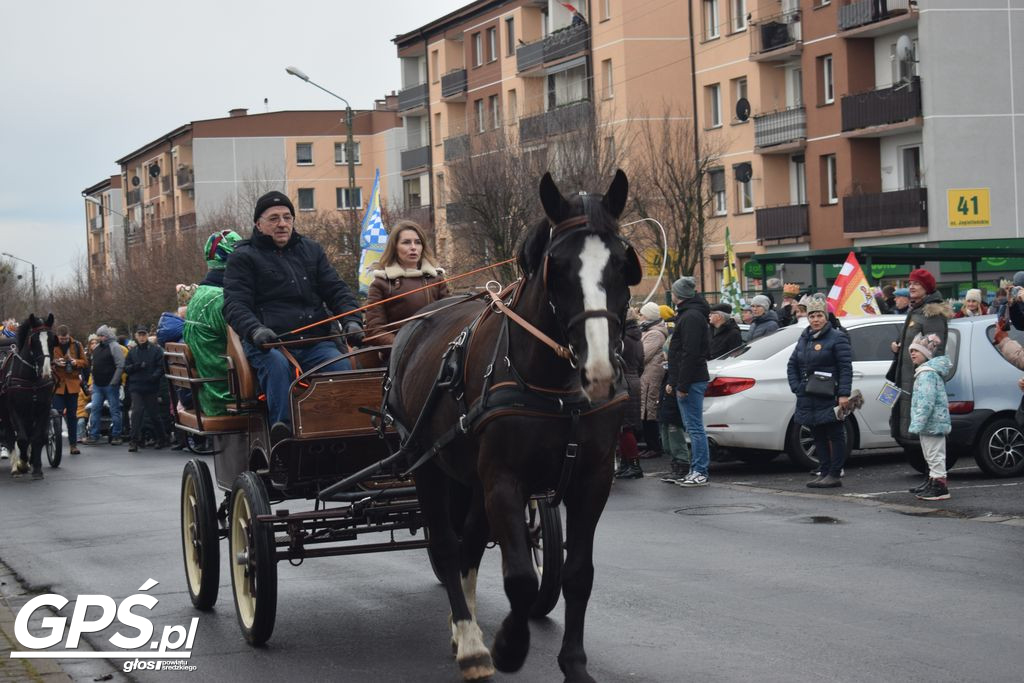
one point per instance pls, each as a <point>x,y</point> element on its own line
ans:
<point>390,255</point>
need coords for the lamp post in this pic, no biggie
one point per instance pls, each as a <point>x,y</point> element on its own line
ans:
<point>35,296</point>
<point>350,145</point>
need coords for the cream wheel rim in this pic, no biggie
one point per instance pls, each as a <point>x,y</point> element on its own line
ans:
<point>190,535</point>
<point>242,568</point>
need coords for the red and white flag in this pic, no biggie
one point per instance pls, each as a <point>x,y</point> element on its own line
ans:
<point>850,293</point>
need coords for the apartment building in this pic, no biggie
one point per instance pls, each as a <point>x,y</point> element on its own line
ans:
<point>105,235</point>
<point>210,169</point>
<point>532,71</point>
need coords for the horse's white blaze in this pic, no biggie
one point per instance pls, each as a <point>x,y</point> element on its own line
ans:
<point>594,258</point>
<point>44,340</point>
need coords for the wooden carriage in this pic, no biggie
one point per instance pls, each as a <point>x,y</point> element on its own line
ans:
<point>336,457</point>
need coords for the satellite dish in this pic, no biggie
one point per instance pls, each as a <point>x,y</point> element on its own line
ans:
<point>744,172</point>
<point>135,181</point>
<point>742,109</point>
<point>154,171</point>
<point>904,49</point>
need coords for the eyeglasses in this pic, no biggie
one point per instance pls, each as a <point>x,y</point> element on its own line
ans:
<point>274,220</point>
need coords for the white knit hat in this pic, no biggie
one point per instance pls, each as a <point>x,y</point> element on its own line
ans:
<point>650,311</point>
<point>973,295</point>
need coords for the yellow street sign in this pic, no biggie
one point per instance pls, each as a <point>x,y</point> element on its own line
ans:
<point>969,208</point>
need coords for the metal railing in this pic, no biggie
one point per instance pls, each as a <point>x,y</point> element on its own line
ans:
<point>780,127</point>
<point>165,183</point>
<point>563,43</point>
<point>96,222</point>
<point>886,210</point>
<point>414,158</point>
<point>133,196</point>
<point>561,120</point>
<point>456,147</point>
<point>185,177</point>
<point>775,32</point>
<point>782,222</point>
<point>412,97</point>
<point>883,106</point>
<point>456,212</point>
<point>453,83</point>
<point>187,221</point>
<point>864,12</point>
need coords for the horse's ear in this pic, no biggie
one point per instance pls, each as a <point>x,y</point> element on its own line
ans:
<point>33,321</point>
<point>633,271</point>
<point>555,206</point>
<point>49,320</point>
<point>615,198</point>
<point>531,253</point>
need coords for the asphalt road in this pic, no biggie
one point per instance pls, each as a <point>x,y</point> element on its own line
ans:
<point>752,578</point>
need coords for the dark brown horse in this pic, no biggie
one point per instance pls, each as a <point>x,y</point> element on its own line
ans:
<point>26,392</point>
<point>517,418</point>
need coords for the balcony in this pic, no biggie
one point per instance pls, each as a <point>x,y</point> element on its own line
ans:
<point>560,44</point>
<point>455,212</point>
<point>186,177</point>
<point>415,158</point>
<point>187,221</point>
<point>780,132</point>
<point>776,38</point>
<point>782,222</point>
<point>168,224</point>
<point>96,223</point>
<point>561,120</point>
<point>453,86</point>
<point>885,111</point>
<point>456,147</point>
<point>165,184</point>
<point>133,196</point>
<point>413,97</point>
<point>860,15</point>
<point>902,211</point>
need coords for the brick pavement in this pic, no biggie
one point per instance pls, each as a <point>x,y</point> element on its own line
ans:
<point>48,670</point>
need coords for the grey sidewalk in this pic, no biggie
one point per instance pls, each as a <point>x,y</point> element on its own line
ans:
<point>20,669</point>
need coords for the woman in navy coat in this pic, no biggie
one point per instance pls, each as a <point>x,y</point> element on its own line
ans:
<point>822,348</point>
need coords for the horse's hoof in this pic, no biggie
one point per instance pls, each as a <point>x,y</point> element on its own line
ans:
<point>510,653</point>
<point>581,677</point>
<point>477,667</point>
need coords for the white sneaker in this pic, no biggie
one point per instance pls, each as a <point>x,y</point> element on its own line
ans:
<point>694,479</point>
<point>4,455</point>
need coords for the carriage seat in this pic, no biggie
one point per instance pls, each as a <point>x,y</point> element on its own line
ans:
<point>181,372</point>
<point>244,384</point>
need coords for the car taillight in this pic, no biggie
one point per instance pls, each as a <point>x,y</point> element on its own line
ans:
<point>727,386</point>
<point>961,407</point>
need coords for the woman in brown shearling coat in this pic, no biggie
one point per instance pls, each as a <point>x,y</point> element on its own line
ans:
<point>406,265</point>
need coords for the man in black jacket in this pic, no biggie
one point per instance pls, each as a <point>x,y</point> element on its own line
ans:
<point>688,372</point>
<point>145,368</point>
<point>276,282</point>
<point>725,333</point>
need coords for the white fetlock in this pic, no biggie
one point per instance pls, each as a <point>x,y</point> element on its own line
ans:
<point>473,656</point>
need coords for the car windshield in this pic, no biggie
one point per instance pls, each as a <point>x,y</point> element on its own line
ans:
<point>766,347</point>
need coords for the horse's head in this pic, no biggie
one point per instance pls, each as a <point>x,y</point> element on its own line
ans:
<point>586,269</point>
<point>36,342</point>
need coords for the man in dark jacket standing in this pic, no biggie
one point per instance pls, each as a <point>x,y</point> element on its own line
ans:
<point>725,333</point>
<point>107,370</point>
<point>145,368</point>
<point>688,372</point>
<point>276,282</point>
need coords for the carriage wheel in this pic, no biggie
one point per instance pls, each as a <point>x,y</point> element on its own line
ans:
<point>544,524</point>
<point>54,441</point>
<point>253,566</point>
<point>200,543</point>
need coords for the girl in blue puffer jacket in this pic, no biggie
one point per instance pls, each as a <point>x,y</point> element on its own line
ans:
<point>929,413</point>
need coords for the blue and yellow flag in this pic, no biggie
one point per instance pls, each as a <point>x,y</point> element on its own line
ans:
<point>372,239</point>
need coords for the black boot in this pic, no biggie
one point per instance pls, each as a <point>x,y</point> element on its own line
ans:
<point>633,471</point>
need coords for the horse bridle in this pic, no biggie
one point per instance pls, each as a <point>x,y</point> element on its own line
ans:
<point>36,367</point>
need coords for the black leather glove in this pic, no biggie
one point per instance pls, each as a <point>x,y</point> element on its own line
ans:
<point>262,336</point>
<point>353,332</point>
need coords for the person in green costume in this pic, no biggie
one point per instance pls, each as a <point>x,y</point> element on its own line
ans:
<point>205,330</point>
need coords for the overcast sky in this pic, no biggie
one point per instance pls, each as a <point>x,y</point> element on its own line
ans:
<point>88,82</point>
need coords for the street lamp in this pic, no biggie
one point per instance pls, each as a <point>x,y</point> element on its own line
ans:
<point>35,297</point>
<point>350,145</point>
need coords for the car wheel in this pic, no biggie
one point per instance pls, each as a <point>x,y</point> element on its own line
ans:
<point>999,451</point>
<point>800,444</point>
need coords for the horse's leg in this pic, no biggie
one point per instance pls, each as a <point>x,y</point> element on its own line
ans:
<point>470,652</point>
<point>475,535</point>
<point>38,439</point>
<point>584,504</point>
<point>505,511</point>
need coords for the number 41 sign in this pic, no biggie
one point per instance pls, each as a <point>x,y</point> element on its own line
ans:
<point>969,208</point>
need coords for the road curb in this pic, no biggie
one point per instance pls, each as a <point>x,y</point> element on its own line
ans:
<point>20,669</point>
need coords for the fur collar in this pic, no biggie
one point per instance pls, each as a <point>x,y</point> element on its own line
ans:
<point>938,308</point>
<point>395,271</point>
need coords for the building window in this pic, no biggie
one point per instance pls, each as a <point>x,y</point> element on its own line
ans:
<point>510,37</point>
<point>606,9</point>
<point>739,15</point>
<point>411,192</point>
<point>744,194</point>
<point>739,92</point>
<point>481,122</point>
<point>306,199</point>
<point>828,91</point>
<point>910,166</point>
<point>606,79</point>
<point>304,153</point>
<point>799,193</point>
<point>512,105</point>
<point>344,198</point>
<point>435,68</point>
<point>718,205</point>
<point>492,103</point>
<point>492,44</point>
<point>710,19</point>
<point>713,95</point>
<point>478,49</point>
<point>567,87</point>
<point>831,195</point>
<point>339,153</point>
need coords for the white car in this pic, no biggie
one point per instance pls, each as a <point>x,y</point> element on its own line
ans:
<point>748,407</point>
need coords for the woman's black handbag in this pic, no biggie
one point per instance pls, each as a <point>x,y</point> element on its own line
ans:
<point>821,384</point>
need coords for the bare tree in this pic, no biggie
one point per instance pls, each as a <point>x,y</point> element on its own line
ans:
<point>670,184</point>
<point>15,294</point>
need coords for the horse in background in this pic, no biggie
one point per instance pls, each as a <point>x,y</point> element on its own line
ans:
<point>26,393</point>
<point>527,409</point>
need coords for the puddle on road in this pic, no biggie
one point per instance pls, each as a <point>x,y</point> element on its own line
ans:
<point>819,519</point>
<point>701,510</point>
